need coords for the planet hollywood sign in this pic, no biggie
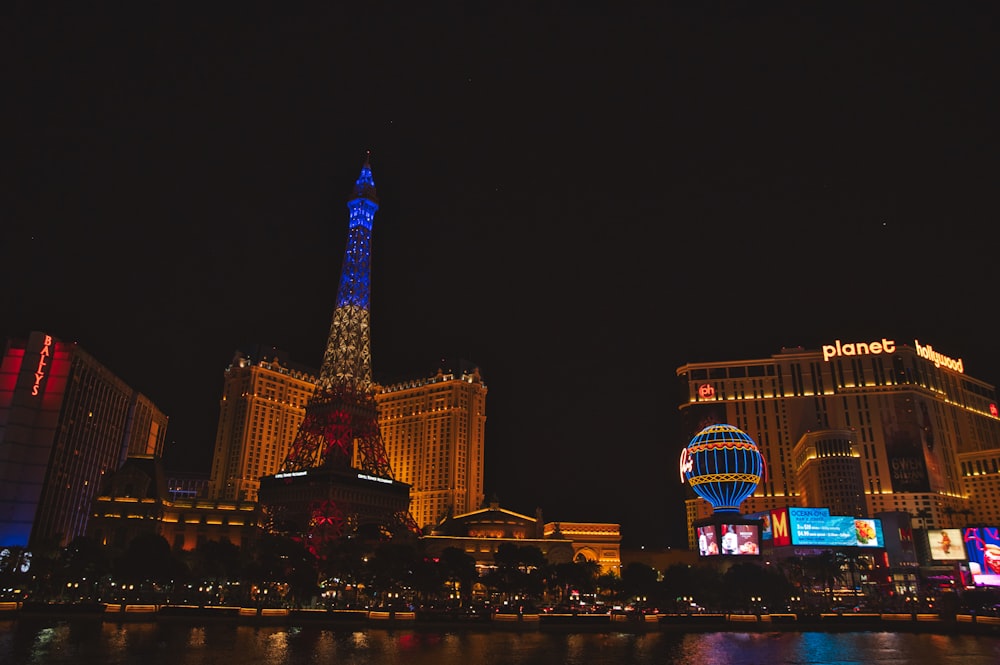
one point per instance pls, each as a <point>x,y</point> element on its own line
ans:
<point>876,347</point>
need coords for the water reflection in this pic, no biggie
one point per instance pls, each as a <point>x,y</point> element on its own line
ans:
<point>95,642</point>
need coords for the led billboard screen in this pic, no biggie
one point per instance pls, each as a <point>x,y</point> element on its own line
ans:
<point>832,530</point>
<point>739,539</point>
<point>728,539</point>
<point>816,526</point>
<point>983,546</point>
<point>869,532</point>
<point>708,545</point>
<point>765,520</point>
<point>946,544</point>
<point>781,522</point>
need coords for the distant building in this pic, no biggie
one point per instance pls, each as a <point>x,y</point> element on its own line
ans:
<point>980,473</point>
<point>828,471</point>
<point>592,541</point>
<point>135,500</point>
<point>660,559</point>
<point>900,415</point>
<point>434,432</point>
<point>480,534</point>
<point>262,405</point>
<point>187,485</point>
<point>66,421</point>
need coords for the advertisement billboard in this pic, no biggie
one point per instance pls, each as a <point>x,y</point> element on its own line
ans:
<point>779,528</point>
<point>739,539</point>
<point>946,545</point>
<point>983,547</point>
<point>765,522</point>
<point>915,461</point>
<point>728,539</point>
<point>829,530</point>
<point>816,526</point>
<point>869,532</point>
<point>708,544</point>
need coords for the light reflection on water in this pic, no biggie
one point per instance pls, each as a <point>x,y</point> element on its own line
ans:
<point>95,642</point>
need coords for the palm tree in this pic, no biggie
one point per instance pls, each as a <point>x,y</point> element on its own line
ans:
<point>639,580</point>
<point>950,512</point>
<point>826,568</point>
<point>968,514</point>
<point>459,569</point>
<point>581,576</point>
<point>519,571</point>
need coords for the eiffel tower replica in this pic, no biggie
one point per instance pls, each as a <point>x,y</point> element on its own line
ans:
<point>336,481</point>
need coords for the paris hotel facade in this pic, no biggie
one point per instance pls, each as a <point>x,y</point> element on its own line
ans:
<point>861,426</point>
<point>432,428</point>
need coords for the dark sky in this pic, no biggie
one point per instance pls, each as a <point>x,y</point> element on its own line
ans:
<point>579,200</point>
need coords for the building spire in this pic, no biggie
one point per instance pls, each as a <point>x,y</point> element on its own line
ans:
<point>347,360</point>
<point>364,186</point>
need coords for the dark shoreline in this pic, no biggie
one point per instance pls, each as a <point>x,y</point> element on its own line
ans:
<point>362,619</point>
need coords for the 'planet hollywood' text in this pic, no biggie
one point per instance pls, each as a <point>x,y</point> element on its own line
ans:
<point>876,347</point>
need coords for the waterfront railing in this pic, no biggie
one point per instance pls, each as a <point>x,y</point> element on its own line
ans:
<point>702,621</point>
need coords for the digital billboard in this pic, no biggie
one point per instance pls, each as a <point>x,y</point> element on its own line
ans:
<point>946,544</point>
<point>915,460</point>
<point>739,539</point>
<point>765,520</point>
<point>869,532</point>
<point>816,526</point>
<point>832,530</point>
<point>708,544</point>
<point>983,547</point>
<point>728,539</point>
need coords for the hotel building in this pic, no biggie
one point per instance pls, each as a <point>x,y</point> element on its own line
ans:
<point>433,430</point>
<point>864,427</point>
<point>481,533</point>
<point>262,405</point>
<point>136,499</point>
<point>66,421</point>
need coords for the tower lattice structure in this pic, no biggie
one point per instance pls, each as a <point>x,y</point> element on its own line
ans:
<point>340,431</point>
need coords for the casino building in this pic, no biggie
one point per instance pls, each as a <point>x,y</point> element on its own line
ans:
<point>863,427</point>
<point>66,422</point>
<point>434,432</point>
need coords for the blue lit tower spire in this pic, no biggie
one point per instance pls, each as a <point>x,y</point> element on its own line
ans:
<point>348,360</point>
<point>336,477</point>
<point>340,429</point>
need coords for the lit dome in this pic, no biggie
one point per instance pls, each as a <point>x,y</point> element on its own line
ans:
<point>723,466</point>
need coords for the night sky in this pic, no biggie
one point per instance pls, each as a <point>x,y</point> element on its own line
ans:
<point>578,201</point>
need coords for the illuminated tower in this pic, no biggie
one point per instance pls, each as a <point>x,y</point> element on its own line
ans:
<point>336,478</point>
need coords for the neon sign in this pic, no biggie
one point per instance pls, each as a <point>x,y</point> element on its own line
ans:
<point>44,357</point>
<point>290,474</point>
<point>938,359</point>
<point>686,465</point>
<point>876,347</point>
<point>365,476</point>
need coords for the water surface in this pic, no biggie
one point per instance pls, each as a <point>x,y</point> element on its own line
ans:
<point>46,641</point>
